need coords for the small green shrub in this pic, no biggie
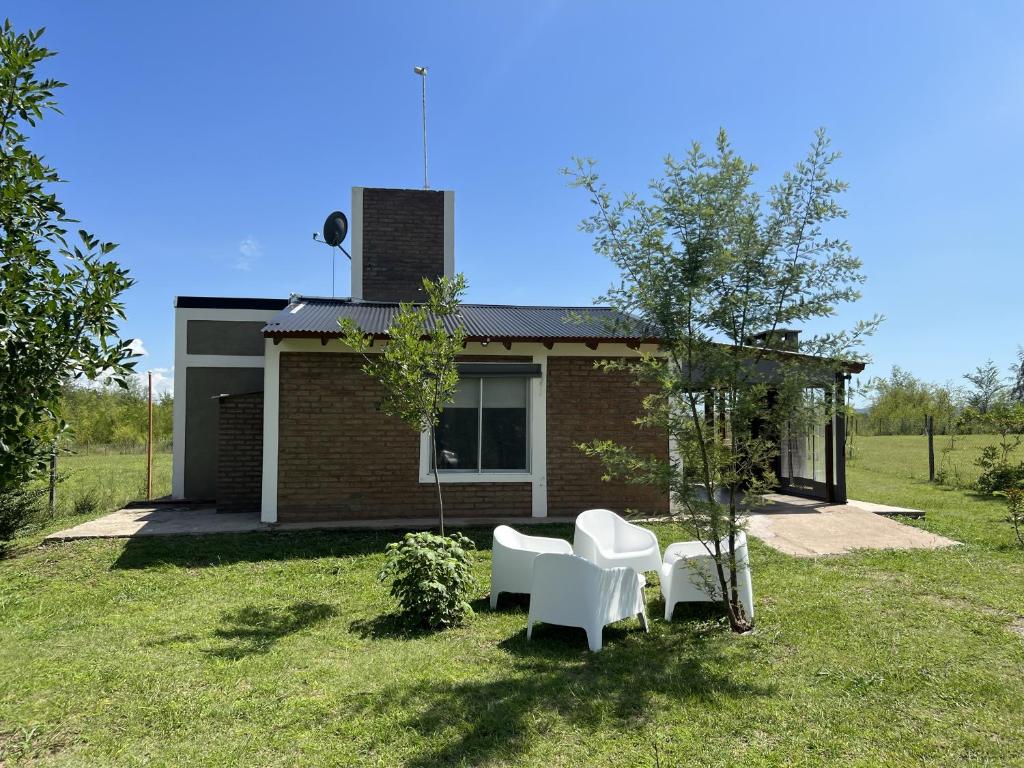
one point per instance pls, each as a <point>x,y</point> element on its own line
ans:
<point>17,509</point>
<point>431,576</point>
<point>998,474</point>
<point>86,504</point>
<point>1015,511</point>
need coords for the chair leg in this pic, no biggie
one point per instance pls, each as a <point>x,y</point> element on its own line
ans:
<point>494,599</point>
<point>669,607</point>
<point>595,638</point>
<point>746,590</point>
<point>529,628</point>
<point>642,616</point>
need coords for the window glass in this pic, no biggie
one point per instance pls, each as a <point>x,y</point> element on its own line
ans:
<point>488,434</point>
<point>503,426</point>
<point>457,434</point>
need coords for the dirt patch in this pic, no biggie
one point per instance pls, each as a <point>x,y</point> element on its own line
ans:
<point>1017,627</point>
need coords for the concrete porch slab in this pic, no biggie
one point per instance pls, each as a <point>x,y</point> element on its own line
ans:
<point>809,528</point>
<point>159,520</point>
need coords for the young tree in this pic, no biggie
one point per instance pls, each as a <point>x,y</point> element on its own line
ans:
<point>417,365</point>
<point>57,317</point>
<point>710,265</point>
<point>988,389</point>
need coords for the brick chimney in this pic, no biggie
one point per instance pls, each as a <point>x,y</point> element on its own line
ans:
<point>787,339</point>
<point>400,236</point>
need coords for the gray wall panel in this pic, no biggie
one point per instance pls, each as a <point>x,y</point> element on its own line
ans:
<point>225,337</point>
<point>202,411</point>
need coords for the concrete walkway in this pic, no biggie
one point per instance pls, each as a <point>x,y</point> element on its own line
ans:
<point>174,520</point>
<point>808,528</point>
<point>796,526</point>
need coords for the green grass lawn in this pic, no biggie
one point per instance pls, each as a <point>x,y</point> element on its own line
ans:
<point>281,650</point>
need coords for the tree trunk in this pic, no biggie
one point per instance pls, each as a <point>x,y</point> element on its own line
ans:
<point>437,481</point>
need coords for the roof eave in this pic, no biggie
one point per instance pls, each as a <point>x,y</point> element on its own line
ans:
<point>276,335</point>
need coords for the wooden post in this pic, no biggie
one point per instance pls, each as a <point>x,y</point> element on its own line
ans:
<point>930,429</point>
<point>53,478</point>
<point>839,442</point>
<point>149,443</point>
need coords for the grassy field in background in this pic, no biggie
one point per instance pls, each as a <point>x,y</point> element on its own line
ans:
<point>907,456</point>
<point>282,649</point>
<point>97,483</point>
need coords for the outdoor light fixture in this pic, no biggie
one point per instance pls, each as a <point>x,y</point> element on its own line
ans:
<point>422,72</point>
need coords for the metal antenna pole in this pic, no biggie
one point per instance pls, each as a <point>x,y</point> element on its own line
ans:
<point>422,72</point>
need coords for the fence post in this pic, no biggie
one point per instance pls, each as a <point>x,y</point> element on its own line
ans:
<point>149,443</point>
<point>930,429</point>
<point>53,479</point>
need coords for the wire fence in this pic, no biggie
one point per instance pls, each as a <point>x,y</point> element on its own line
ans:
<point>866,424</point>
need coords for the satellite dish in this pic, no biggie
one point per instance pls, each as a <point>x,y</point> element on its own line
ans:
<point>335,229</point>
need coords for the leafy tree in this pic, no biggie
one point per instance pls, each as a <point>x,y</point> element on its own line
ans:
<point>900,402</point>
<point>711,264</point>
<point>57,315</point>
<point>988,387</point>
<point>1017,369</point>
<point>109,415</point>
<point>417,365</point>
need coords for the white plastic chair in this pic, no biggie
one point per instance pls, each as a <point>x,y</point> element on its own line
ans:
<point>688,575</point>
<point>604,538</point>
<point>512,556</point>
<point>573,592</point>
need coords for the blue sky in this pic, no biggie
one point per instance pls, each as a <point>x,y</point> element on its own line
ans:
<point>211,139</point>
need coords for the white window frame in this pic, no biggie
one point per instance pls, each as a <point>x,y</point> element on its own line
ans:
<point>477,475</point>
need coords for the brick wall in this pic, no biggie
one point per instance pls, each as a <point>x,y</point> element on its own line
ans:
<point>403,242</point>
<point>584,404</point>
<point>340,458</point>
<point>240,453</point>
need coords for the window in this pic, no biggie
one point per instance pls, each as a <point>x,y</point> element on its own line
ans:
<point>484,429</point>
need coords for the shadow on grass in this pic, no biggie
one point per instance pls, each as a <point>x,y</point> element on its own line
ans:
<point>226,548</point>
<point>554,678</point>
<point>254,630</point>
<point>395,626</point>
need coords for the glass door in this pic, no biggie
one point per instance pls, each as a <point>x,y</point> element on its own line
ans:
<point>805,455</point>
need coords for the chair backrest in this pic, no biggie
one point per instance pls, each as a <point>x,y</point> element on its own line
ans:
<point>600,524</point>
<point>568,580</point>
<point>508,537</point>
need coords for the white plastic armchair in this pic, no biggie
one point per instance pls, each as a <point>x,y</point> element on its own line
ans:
<point>573,592</point>
<point>512,556</point>
<point>688,575</point>
<point>604,538</point>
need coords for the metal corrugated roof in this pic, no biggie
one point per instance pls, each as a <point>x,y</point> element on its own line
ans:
<point>316,316</point>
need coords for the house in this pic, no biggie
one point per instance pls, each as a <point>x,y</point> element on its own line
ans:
<point>272,413</point>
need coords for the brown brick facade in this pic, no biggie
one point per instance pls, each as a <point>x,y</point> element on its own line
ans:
<point>340,458</point>
<point>403,242</point>
<point>240,453</point>
<point>584,404</point>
